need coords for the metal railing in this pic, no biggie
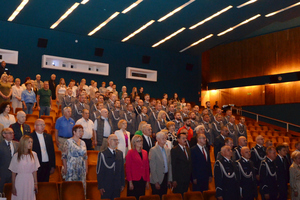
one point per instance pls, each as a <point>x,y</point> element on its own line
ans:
<point>288,124</point>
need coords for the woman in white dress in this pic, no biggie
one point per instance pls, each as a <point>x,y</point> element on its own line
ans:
<point>295,176</point>
<point>124,137</point>
<point>5,118</point>
<point>16,95</point>
<point>60,91</point>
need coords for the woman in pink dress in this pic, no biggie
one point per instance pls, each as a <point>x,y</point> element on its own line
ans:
<point>24,166</point>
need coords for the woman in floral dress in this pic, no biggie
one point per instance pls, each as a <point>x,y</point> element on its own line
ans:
<point>74,157</point>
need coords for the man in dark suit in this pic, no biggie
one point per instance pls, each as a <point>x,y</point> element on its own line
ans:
<point>226,176</point>
<point>20,128</point>
<point>258,154</point>
<point>268,177</point>
<point>220,140</point>
<point>110,170</point>
<point>181,165</point>
<point>44,148</point>
<point>130,117</point>
<point>242,142</point>
<point>148,141</point>
<point>282,171</point>
<point>201,165</point>
<point>248,186</point>
<point>79,106</point>
<point>7,149</point>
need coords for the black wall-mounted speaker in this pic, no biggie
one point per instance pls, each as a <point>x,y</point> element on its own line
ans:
<point>146,59</point>
<point>99,52</point>
<point>42,42</point>
<point>189,67</point>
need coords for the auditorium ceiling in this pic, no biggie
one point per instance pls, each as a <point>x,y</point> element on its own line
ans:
<point>186,26</point>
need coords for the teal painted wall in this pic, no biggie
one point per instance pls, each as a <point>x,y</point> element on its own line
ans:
<point>172,75</point>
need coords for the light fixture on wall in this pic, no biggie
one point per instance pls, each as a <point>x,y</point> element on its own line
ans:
<point>18,10</point>
<point>284,9</point>
<point>196,43</point>
<point>138,31</point>
<point>131,6</point>
<point>104,23</point>
<point>246,4</point>
<point>168,37</point>
<point>65,15</point>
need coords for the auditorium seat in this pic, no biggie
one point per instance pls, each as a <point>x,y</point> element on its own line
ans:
<point>47,119</point>
<point>249,138</point>
<point>286,139</point>
<point>209,195</point>
<point>254,133</point>
<point>251,144</point>
<point>265,128</point>
<point>48,127</point>
<point>17,109</point>
<point>172,197</point>
<point>58,160</point>
<point>92,192</point>
<point>92,157</point>
<point>71,190</point>
<point>150,197</point>
<point>280,139</point>
<point>36,112</point>
<point>125,198</point>
<point>53,115</point>
<point>56,176</point>
<point>31,125</point>
<point>31,117</point>
<point>193,196</point>
<point>7,190</point>
<point>91,175</point>
<point>47,191</point>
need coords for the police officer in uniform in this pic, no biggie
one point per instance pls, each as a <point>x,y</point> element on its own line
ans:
<point>226,177</point>
<point>242,142</point>
<point>245,166</point>
<point>241,128</point>
<point>258,154</point>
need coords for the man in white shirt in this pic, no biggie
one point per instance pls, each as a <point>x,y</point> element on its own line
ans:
<point>110,86</point>
<point>88,127</point>
<point>44,148</point>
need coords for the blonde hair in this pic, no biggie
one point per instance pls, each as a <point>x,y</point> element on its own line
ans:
<point>134,139</point>
<point>160,114</point>
<point>121,122</point>
<point>22,145</point>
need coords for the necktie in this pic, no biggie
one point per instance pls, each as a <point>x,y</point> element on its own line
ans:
<point>204,153</point>
<point>21,127</point>
<point>185,153</point>
<point>114,153</point>
<point>8,146</point>
<point>149,142</point>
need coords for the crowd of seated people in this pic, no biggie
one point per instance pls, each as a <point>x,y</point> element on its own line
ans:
<point>165,143</point>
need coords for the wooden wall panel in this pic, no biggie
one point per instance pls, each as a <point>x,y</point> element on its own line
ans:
<point>270,94</point>
<point>269,54</point>
<point>287,92</point>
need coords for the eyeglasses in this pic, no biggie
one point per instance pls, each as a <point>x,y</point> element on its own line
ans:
<point>139,141</point>
<point>41,124</point>
<point>116,140</point>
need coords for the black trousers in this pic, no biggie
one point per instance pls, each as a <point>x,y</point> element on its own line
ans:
<point>182,187</point>
<point>111,194</point>
<point>163,187</point>
<point>88,144</point>
<point>201,185</point>
<point>43,172</point>
<point>139,188</point>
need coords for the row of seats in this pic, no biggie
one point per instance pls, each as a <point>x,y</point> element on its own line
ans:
<point>73,190</point>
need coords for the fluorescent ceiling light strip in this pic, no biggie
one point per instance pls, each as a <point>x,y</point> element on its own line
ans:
<point>84,1</point>
<point>211,17</point>
<point>175,11</point>
<point>196,43</point>
<point>240,24</point>
<point>18,10</point>
<point>64,16</point>
<point>132,6</point>
<point>284,9</point>
<point>246,4</point>
<point>103,23</point>
<point>168,37</point>
<point>138,31</point>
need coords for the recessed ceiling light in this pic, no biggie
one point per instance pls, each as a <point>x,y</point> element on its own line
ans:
<point>138,31</point>
<point>240,24</point>
<point>168,37</point>
<point>103,23</point>
<point>19,8</point>
<point>84,1</point>
<point>284,9</point>
<point>64,16</point>
<point>246,4</point>
<point>132,6</point>
<point>211,17</point>
<point>196,43</point>
<point>175,11</point>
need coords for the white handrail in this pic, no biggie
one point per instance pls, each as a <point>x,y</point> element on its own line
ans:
<point>240,111</point>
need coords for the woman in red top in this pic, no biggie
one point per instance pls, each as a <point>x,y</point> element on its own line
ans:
<point>137,168</point>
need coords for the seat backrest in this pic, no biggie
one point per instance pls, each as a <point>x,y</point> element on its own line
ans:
<point>7,190</point>
<point>125,198</point>
<point>193,196</point>
<point>47,191</point>
<point>58,160</point>
<point>172,197</point>
<point>92,157</point>
<point>92,192</point>
<point>149,197</point>
<point>209,195</point>
<point>56,176</point>
<point>91,175</point>
<point>71,190</point>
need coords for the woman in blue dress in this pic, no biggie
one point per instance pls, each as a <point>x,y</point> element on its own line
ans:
<point>74,157</point>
